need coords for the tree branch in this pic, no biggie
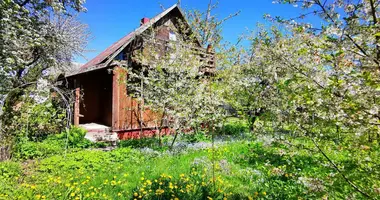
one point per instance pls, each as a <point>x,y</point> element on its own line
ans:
<point>339,171</point>
<point>21,4</point>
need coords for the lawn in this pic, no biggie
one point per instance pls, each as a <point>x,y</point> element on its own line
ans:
<point>258,169</point>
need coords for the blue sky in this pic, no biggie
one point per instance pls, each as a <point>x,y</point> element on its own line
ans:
<point>109,20</point>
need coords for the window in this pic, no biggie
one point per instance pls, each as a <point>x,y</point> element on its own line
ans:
<point>172,36</point>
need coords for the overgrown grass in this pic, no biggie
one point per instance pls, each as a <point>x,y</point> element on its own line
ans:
<point>237,170</point>
<point>70,140</point>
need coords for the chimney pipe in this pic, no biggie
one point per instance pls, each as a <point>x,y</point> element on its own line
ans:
<point>144,21</point>
<point>209,48</point>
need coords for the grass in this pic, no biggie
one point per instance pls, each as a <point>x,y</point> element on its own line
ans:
<point>241,170</point>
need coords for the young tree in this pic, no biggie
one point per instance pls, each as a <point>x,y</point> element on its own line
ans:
<point>172,80</point>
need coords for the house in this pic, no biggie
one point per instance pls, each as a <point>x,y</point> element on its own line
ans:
<point>102,104</point>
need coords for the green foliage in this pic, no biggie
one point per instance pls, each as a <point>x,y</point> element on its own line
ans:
<point>139,143</point>
<point>26,149</point>
<point>194,137</point>
<point>36,45</point>
<point>243,170</point>
<point>9,170</point>
<point>36,120</point>
<point>9,174</point>
<point>234,126</point>
<point>195,185</point>
<point>72,139</point>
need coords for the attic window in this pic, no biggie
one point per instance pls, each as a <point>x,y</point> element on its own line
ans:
<point>172,36</point>
<point>120,56</point>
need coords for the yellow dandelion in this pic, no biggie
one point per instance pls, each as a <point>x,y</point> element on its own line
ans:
<point>159,191</point>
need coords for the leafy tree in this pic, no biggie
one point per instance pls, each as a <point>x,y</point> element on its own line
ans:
<point>321,83</point>
<point>173,82</point>
<point>39,40</point>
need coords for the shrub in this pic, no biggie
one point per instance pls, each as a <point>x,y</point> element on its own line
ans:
<point>196,137</point>
<point>72,138</point>
<point>234,126</point>
<point>26,149</point>
<point>139,143</point>
<point>33,120</point>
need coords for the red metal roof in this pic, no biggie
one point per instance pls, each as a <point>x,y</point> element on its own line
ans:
<point>107,52</point>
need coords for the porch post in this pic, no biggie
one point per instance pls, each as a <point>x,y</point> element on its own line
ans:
<point>76,105</point>
<point>115,99</point>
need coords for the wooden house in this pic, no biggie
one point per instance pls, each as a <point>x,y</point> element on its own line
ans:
<point>102,104</point>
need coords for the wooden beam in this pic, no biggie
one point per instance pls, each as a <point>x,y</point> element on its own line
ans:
<point>76,106</point>
<point>115,99</point>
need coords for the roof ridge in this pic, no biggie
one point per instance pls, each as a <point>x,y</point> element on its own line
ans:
<point>113,50</point>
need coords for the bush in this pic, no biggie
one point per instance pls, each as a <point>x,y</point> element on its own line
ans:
<point>26,149</point>
<point>196,137</point>
<point>74,138</point>
<point>33,120</point>
<point>54,144</point>
<point>234,126</point>
<point>139,143</point>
